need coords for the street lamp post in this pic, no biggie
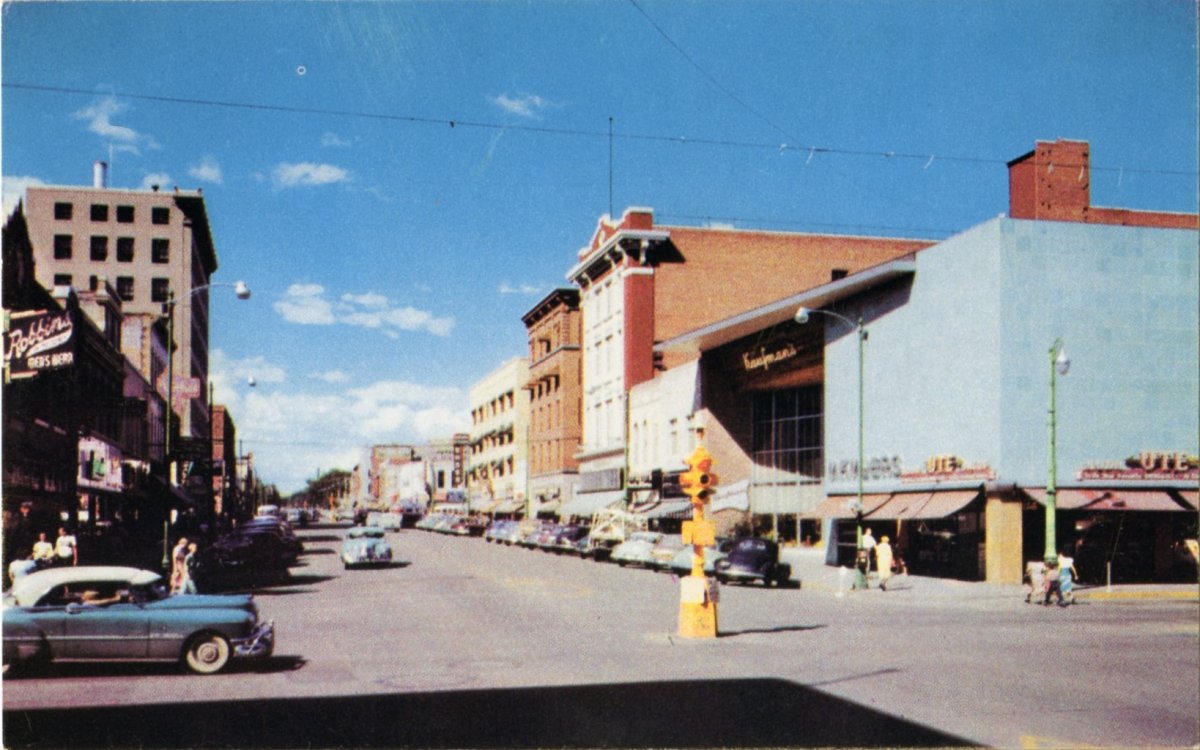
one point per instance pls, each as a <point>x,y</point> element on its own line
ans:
<point>243,292</point>
<point>801,317</point>
<point>1059,365</point>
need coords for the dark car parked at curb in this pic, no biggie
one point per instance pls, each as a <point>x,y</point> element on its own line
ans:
<point>753,559</point>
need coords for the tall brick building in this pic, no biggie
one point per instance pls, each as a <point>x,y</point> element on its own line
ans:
<point>641,284</point>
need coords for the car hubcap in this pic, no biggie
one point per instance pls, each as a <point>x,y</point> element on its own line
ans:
<point>208,653</point>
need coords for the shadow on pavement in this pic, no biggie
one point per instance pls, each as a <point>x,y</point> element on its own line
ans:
<point>708,713</point>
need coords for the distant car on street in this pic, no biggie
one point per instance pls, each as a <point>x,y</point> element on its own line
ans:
<point>681,564</point>
<point>637,549</point>
<point>365,545</point>
<point>385,520</point>
<point>753,559</point>
<point>110,613</point>
<point>664,551</point>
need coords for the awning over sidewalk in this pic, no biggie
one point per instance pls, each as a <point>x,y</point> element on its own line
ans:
<point>1108,499</point>
<point>666,509</point>
<point>903,506</point>
<point>587,503</point>
<point>1191,497</point>
<point>839,506</point>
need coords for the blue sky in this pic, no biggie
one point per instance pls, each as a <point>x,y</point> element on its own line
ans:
<point>399,182</point>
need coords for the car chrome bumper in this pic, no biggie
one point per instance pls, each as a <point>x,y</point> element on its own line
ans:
<point>260,643</point>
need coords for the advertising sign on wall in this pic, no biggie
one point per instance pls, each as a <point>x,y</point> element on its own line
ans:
<point>38,341</point>
<point>99,465</point>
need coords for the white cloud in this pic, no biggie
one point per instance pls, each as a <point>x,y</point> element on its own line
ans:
<point>230,377</point>
<point>333,140</point>
<point>527,289</point>
<point>306,304</point>
<point>307,174</point>
<point>99,116</point>
<point>160,179</point>
<point>207,170</point>
<point>525,105</point>
<point>303,303</point>
<point>13,190</point>
<point>332,376</point>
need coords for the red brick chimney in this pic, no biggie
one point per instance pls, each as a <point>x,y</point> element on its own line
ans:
<point>1053,183</point>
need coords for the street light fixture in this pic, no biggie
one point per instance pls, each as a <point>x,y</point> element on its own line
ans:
<point>242,291</point>
<point>801,317</point>
<point>1059,365</point>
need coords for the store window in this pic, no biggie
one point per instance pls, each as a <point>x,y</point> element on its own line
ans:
<point>788,433</point>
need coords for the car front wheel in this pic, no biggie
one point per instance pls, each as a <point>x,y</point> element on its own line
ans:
<point>207,653</point>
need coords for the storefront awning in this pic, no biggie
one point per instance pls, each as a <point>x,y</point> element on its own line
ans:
<point>1105,499</point>
<point>1191,497</point>
<point>509,506</point>
<point>667,509</point>
<point>587,503</point>
<point>903,506</point>
<point>839,506</point>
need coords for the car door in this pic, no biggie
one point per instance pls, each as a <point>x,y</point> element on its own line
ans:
<point>119,630</point>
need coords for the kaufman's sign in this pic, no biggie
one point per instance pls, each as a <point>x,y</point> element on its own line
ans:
<point>38,341</point>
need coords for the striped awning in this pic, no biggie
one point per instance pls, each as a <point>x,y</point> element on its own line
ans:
<point>1108,499</point>
<point>840,506</point>
<point>903,506</point>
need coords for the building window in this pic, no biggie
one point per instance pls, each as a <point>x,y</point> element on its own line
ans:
<point>99,248</point>
<point>62,247</point>
<point>788,440</point>
<point>125,288</point>
<point>99,212</point>
<point>63,211</point>
<point>159,289</point>
<point>124,214</point>
<point>125,249</point>
<point>160,250</point>
<point>160,215</point>
<point>62,279</point>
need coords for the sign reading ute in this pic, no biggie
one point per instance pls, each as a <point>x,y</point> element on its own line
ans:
<point>39,341</point>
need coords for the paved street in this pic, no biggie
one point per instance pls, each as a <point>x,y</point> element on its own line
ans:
<point>475,645</point>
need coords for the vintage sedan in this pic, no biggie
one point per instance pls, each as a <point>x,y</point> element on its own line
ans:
<point>681,565</point>
<point>753,559</point>
<point>637,549</point>
<point>366,545</point>
<point>109,613</point>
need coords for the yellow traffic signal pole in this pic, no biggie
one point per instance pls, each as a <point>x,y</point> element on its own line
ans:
<point>697,593</point>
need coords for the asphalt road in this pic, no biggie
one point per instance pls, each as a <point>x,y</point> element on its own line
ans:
<point>474,645</point>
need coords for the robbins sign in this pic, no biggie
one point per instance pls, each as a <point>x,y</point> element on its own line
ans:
<point>38,341</point>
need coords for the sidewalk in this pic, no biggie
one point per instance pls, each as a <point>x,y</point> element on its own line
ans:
<point>809,568</point>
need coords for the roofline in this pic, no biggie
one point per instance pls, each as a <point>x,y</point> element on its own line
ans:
<point>731,329</point>
<point>655,235</point>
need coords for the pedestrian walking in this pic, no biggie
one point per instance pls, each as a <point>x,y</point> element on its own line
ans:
<point>883,562</point>
<point>1066,579</point>
<point>1053,583</point>
<point>1035,578</point>
<point>189,571</point>
<point>178,564</point>
<point>66,549</point>
<point>868,544</point>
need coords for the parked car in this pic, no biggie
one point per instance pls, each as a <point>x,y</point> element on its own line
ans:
<point>496,529</point>
<point>546,537</point>
<point>365,545</point>
<point>753,559</point>
<point>664,551</point>
<point>636,550</point>
<point>611,527</point>
<point>570,538</point>
<point>109,613</point>
<point>385,520</point>
<point>682,563</point>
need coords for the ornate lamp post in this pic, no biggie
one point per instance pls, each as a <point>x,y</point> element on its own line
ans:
<point>802,317</point>
<point>1059,365</point>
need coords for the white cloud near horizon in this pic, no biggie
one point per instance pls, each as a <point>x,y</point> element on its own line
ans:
<point>306,304</point>
<point>208,170</point>
<point>332,376</point>
<point>525,105</point>
<point>307,174</point>
<point>13,191</point>
<point>99,116</point>
<point>526,289</point>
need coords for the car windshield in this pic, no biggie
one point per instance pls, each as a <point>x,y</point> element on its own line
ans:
<point>752,545</point>
<point>366,531</point>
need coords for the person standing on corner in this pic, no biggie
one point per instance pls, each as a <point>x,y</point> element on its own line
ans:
<point>66,548</point>
<point>883,562</point>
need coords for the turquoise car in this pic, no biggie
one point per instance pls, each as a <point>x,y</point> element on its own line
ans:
<point>109,613</point>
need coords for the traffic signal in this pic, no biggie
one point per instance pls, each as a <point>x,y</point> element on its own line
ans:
<point>699,479</point>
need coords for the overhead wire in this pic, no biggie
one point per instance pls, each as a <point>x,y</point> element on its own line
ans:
<point>926,158</point>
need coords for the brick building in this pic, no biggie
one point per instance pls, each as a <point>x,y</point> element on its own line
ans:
<point>555,389</point>
<point>642,283</point>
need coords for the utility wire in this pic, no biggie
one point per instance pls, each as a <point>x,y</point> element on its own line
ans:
<point>811,151</point>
